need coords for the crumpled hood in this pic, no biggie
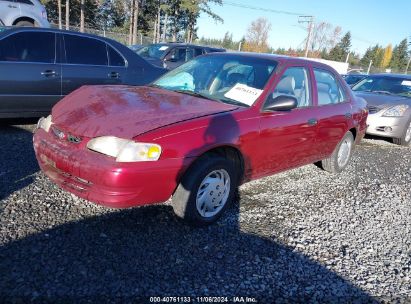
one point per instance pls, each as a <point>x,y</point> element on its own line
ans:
<point>383,100</point>
<point>126,111</point>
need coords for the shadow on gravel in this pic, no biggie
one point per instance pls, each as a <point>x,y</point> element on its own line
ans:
<point>133,254</point>
<point>17,160</point>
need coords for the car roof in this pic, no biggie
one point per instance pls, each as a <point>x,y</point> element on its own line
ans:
<point>277,58</point>
<point>10,30</point>
<point>389,75</point>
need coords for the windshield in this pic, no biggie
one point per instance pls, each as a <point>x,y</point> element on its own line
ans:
<point>385,85</point>
<point>231,79</point>
<point>153,51</point>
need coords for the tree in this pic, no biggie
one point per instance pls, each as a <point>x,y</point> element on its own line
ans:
<point>82,16</point>
<point>400,56</point>
<point>59,13</point>
<point>257,36</point>
<point>387,56</point>
<point>323,38</point>
<point>342,49</point>
<point>67,14</point>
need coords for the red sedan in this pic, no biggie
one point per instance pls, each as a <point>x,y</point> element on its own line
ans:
<point>199,131</point>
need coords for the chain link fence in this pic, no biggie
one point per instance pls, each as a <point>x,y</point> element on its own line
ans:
<point>119,36</point>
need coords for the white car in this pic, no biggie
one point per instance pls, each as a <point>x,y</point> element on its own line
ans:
<point>23,13</point>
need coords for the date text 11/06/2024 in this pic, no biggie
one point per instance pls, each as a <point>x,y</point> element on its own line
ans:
<point>203,300</point>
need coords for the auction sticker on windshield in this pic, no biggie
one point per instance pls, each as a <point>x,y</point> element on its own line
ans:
<point>244,94</point>
<point>406,83</point>
<point>163,48</point>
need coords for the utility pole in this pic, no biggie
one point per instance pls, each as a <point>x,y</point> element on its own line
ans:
<point>310,21</point>
<point>408,65</point>
<point>369,68</point>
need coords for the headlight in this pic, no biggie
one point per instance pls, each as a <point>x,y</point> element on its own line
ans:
<point>125,150</point>
<point>396,111</point>
<point>44,123</point>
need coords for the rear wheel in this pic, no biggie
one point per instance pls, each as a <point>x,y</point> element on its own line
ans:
<point>206,190</point>
<point>405,140</point>
<point>25,24</point>
<point>341,156</point>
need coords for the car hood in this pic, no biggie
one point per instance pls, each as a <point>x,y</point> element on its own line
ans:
<point>382,100</point>
<point>126,111</point>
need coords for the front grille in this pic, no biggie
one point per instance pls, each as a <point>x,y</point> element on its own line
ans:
<point>373,109</point>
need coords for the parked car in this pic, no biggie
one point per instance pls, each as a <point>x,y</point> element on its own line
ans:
<point>135,47</point>
<point>352,79</point>
<point>171,55</point>
<point>40,66</point>
<point>23,13</point>
<point>389,104</point>
<point>199,131</point>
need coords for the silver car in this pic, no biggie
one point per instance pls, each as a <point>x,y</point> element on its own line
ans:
<point>389,105</point>
<point>23,13</point>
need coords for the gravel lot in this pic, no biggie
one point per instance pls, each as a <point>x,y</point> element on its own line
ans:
<point>303,235</point>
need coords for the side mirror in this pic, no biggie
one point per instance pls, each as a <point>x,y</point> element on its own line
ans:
<point>280,103</point>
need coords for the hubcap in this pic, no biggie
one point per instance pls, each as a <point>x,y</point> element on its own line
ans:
<point>213,193</point>
<point>344,152</point>
<point>408,134</point>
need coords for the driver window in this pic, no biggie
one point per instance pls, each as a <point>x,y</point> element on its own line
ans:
<point>177,55</point>
<point>294,82</point>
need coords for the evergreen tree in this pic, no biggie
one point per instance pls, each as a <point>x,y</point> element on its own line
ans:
<point>399,58</point>
<point>341,50</point>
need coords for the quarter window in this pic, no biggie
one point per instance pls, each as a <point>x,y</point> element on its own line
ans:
<point>25,2</point>
<point>25,47</point>
<point>294,82</point>
<point>83,50</point>
<point>328,89</point>
<point>115,58</point>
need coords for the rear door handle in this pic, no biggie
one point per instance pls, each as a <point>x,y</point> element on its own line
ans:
<point>348,115</point>
<point>12,6</point>
<point>49,73</point>
<point>114,75</point>
<point>312,122</point>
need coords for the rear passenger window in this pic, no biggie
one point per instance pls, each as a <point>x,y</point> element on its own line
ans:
<point>294,82</point>
<point>83,50</point>
<point>328,89</point>
<point>115,59</point>
<point>25,47</point>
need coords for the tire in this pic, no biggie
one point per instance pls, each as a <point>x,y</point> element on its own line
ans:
<point>193,186</point>
<point>24,24</point>
<point>336,164</point>
<point>405,140</point>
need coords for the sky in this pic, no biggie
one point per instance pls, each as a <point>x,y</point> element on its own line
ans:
<point>369,21</point>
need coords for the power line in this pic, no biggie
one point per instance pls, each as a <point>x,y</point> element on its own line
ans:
<point>260,8</point>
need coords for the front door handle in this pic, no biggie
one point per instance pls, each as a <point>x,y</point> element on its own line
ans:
<point>12,6</point>
<point>114,75</point>
<point>312,122</point>
<point>49,73</point>
<point>348,115</point>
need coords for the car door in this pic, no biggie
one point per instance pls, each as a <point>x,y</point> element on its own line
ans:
<point>7,8</point>
<point>334,112</point>
<point>86,62</point>
<point>30,78</point>
<point>287,137</point>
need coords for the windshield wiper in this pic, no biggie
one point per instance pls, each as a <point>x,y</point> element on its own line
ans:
<point>192,93</point>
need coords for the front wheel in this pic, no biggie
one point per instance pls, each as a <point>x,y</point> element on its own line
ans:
<point>206,190</point>
<point>405,140</point>
<point>341,156</point>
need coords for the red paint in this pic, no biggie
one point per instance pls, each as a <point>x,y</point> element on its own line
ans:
<point>185,127</point>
